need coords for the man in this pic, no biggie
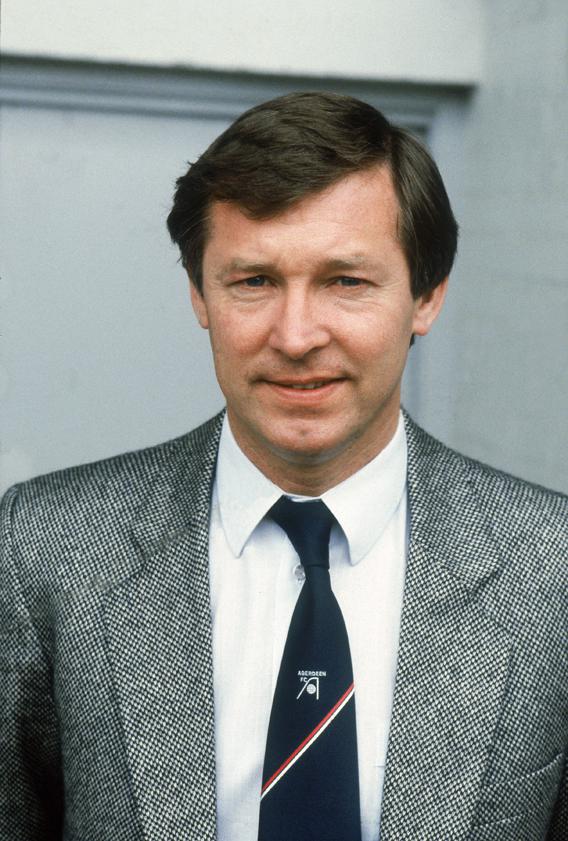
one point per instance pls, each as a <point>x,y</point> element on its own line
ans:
<point>152,605</point>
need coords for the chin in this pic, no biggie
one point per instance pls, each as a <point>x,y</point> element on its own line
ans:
<point>316,451</point>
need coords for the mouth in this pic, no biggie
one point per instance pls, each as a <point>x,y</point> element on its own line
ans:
<point>307,389</point>
<point>305,386</point>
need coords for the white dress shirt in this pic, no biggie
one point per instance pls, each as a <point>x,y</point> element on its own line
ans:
<point>255,582</point>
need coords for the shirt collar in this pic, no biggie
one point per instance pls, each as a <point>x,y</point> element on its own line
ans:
<point>245,494</point>
<point>363,504</point>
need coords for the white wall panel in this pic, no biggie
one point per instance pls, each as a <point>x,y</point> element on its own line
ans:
<point>437,41</point>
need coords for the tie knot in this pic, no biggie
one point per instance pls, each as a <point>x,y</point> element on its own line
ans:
<point>308,526</point>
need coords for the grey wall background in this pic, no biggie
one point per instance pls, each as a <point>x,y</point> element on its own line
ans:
<point>100,351</point>
<point>511,367</point>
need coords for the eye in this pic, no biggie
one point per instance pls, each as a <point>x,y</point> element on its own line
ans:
<point>348,282</point>
<point>255,282</point>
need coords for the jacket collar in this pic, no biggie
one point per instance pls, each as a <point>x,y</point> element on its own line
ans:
<point>446,521</point>
<point>181,494</point>
<point>439,489</point>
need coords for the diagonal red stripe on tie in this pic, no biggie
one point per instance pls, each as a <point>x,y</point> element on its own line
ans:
<point>308,738</point>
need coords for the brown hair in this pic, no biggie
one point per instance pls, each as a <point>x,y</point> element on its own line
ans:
<point>283,150</point>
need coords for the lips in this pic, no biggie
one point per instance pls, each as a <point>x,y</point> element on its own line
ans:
<point>305,385</point>
<point>310,392</point>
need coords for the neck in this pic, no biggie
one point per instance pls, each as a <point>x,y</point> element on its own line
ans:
<point>309,475</point>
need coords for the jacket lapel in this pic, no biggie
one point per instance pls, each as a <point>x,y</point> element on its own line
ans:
<point>453,658</point>
<point>158,627</point>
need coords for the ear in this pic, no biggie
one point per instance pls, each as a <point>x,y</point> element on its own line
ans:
<point>199,305</point>
<point>428,307</point>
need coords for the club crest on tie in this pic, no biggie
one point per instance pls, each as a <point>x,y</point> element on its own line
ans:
<point>310,683</point>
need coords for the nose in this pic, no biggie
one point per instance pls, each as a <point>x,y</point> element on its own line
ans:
<point>299,325</point>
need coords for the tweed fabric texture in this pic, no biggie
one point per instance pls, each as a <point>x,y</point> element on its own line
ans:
<point>106,696</point>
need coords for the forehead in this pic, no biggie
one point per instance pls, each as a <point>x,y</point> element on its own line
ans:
<point>360,210</point>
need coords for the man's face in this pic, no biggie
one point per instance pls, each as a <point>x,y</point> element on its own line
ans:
<point>310,317</point>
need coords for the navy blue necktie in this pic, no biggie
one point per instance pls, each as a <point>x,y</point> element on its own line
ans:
<point>310,783</point>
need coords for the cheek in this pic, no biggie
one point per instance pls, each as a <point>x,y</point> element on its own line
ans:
<point>232,340</point>
<point>373,334</point>
<point>379,342</point>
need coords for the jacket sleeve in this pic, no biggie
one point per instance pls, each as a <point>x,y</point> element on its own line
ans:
<point>31,801</point>
<point>558,829</point>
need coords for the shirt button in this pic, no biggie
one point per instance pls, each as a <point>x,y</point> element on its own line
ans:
<point>299,572</point>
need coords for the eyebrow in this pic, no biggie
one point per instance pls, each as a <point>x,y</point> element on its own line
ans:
<point>238,265</point>
<point>334,264</point>
<point>355,262</point>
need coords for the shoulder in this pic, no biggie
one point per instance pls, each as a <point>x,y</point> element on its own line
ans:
<point>99,498</point>
<point>512,508</point>
<point>495,533</point>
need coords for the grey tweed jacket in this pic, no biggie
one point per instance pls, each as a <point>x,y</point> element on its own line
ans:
<point>106,696</point>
